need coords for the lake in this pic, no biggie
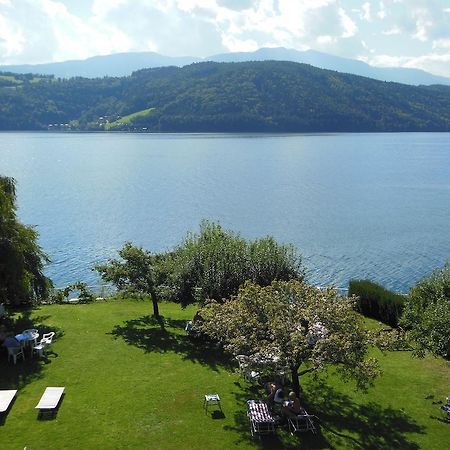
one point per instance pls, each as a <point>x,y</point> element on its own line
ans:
<point>355,205</point>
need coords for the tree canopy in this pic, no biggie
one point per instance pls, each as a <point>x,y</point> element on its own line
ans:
<point>215,262</point>
<point>275,96</point>
<point>298,324</point>
<point>133,273</point>
<point>426,316</point>
<point>22,260</point>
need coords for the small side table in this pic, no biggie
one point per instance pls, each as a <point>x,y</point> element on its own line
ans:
<point>211,400</point>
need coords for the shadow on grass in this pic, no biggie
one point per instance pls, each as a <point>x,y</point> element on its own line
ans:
<point>217,415</point>
<point>340,423</point>
<point>15,376</point>
<point>282,439</point>
<point>146,333</point>
<point>50,414</point>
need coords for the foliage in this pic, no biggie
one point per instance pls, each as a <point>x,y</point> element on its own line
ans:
<point>22,260</point>
<point>84,294</point>
<point>427,314</point>
<point>296,323</point>
<point>216,262</point>
<point>249,96</point>
<point>377,302</point>
<point>133,274</point>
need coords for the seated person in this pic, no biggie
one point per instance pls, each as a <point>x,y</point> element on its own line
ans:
<point>292,407</point>
<point>271,389</point>
<point>188,327</point>
<point>278,400</point>
<point>198,319</point>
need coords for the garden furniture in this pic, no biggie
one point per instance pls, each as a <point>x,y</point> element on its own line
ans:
<point>301,422</point>
<point>50,400</point>
<point>45,342</point>
<point>261,419</point>
<point>211,400</point>
<point>14,352</point>
<point>6,397</point>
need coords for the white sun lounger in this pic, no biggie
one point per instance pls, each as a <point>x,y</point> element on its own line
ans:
<point>50,399</point>
<point>6,397</point>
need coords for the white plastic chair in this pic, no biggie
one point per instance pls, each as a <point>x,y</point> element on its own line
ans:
<point>14,352</point>
<point>46,340</point>
<point>48,337</point>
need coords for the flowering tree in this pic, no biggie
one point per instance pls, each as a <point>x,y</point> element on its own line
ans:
<point>296,324</point>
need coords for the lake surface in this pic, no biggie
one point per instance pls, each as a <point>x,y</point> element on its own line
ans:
<point>355,205</point>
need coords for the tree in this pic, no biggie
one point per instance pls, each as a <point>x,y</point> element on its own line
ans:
<point>426,316</point>
<point>216,262</point>
<point>298,324</point>
<point>133,274</point>
<point>22,260</point>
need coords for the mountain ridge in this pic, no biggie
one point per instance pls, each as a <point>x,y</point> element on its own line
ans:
<point>123,64</point>
<point>259,96</point>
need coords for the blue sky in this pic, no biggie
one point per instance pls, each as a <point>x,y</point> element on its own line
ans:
<point>408,33</point>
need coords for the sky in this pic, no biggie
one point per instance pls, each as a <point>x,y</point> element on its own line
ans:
<point>397,33</point>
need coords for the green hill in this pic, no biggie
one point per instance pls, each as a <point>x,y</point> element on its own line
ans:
<point>256,96</point>
<point>131,120</point>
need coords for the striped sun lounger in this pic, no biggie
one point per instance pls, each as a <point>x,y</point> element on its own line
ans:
<point>261,419</point>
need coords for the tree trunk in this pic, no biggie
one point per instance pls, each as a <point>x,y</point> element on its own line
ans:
<point>295,381</point>
<point>155,306</point>
<point>156,310</point>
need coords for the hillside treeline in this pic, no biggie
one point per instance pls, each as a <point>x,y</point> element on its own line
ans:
<point>205,97</point>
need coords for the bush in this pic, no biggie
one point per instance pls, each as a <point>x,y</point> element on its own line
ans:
<point>377,302</point>
<point>427,314</point>
<point>214,263</point>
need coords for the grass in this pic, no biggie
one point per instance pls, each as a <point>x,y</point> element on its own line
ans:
<point>10,78</point>
<point>130,118</point>
<point>131,385</point>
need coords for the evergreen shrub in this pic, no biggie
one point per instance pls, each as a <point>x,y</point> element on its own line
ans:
<point>377,302</point>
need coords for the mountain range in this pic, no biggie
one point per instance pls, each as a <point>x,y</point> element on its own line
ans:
<point>123,64</point>
<point>256,96</point>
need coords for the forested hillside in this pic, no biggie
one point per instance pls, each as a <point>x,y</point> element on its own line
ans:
<point>248,96</point>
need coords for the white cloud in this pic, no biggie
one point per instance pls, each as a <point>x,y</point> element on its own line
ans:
<point>442,43</point>
<point>423,24</point>
<point>239,45</point>
<point>326,39</point>
<point>366,12</point>
<point>381,10</point>
<point>433,62</point>
<point>349,27</point>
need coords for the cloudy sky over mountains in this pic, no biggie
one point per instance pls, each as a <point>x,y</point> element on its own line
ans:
<point>409,33</point>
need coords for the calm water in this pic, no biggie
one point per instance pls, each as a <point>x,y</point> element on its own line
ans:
<point>355,205</point>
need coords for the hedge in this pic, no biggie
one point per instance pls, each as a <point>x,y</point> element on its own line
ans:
<point>377,302</point>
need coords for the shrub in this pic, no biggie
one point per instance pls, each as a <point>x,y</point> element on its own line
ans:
<point>216,262</point>
<point>377,302</point>
<point>427,314</point>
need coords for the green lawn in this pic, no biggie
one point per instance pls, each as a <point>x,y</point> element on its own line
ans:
<point>130,118</point>
<point>131,385</point>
